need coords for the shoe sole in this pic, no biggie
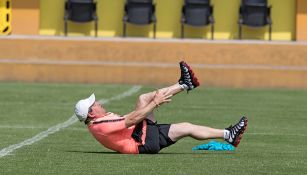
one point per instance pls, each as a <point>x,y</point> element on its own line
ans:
<point>237,142</point>
<point>195,81</point>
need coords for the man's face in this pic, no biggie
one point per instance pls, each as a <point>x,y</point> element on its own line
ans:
<point>96,110</point>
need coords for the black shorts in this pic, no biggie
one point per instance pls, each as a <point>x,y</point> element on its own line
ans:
<point>156,138</point>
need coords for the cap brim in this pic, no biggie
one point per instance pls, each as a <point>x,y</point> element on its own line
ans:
<point>91,99</point>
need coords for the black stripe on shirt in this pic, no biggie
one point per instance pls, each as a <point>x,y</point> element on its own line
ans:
<point>109,121</point>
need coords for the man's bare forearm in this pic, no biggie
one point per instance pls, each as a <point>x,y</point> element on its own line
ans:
<point>139,115</point>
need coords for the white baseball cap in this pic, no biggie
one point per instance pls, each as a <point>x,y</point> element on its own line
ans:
<point>82,107</point>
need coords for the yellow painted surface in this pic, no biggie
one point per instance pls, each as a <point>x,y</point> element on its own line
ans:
<point>226,17</point>
<point>168,12</point>
<point>5,17</point>
<point>110,20</point>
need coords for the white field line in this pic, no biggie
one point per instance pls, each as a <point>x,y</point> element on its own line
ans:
<point>6,151</point>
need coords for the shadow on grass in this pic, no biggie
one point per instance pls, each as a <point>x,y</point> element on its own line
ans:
<point>204,152</point>
<point>161,153</point>
<point>91,152</point>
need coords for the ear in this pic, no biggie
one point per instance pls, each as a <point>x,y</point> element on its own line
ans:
<point>90,115</point>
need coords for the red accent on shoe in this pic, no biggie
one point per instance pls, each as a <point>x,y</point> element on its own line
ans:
<point>193,77</point>
<point>237,142</point>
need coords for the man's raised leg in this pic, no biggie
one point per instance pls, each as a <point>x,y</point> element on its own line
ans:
<point>145,99</point>
<point>187,81</point>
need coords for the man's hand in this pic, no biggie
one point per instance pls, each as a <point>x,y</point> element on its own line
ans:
<point>162,97</point>
<point>139,115</point>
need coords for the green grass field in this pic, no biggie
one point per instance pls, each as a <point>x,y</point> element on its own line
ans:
<point>275,142</point>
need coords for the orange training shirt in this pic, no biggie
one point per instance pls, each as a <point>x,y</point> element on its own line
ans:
<point>113,134</point>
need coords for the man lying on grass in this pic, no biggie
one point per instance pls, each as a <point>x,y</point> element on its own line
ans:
<point>138,132</point>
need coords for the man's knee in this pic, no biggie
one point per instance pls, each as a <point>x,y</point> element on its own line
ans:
<point>145,98</point>
<point>180,130</point>
<point>186,125</point>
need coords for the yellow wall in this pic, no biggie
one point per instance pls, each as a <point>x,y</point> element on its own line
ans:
<point>168,13</point>
<point>283,17</point>
<point>110,20</point>
<point>5,24</point>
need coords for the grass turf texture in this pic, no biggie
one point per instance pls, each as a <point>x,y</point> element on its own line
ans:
<point>275,142</point>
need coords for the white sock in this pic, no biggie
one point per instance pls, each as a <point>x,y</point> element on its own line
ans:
<point>226,134</point>
<point>183,86</point>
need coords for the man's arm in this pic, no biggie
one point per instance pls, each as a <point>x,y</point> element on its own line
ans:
<point>139,115</point>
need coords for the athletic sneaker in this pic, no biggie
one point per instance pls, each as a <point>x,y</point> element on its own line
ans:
<point>236,132</point>
<point>187,76</point>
